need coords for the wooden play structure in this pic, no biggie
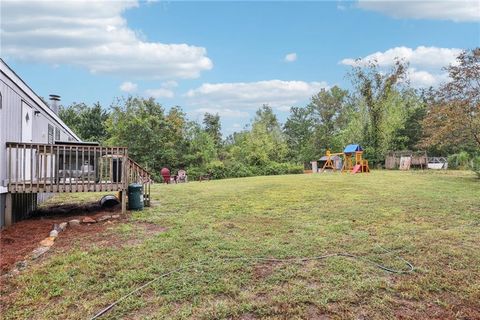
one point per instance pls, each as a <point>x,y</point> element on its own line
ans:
<point>331,161</point>
<point>352,160</point>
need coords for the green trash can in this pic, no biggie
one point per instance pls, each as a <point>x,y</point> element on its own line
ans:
<point>135,196</point>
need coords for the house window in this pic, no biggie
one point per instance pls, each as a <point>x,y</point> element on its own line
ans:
<point>57,134</point>
<point>50,134</point>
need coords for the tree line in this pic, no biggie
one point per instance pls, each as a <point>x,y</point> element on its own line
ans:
<point>381,112</point>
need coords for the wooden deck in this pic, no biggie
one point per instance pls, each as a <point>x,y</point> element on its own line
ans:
<point>62,186</point>
<point>60,168</point>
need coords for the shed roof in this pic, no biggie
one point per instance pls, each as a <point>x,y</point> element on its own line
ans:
<point>351,148</point>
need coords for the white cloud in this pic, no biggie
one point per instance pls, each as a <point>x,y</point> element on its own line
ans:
<point>291,57</point>
<point>455,10</point>
<point>425,79</point>
<point>165,90</point>
<point>236,127</point>
<point>128,87</point>
<point>169,84</point>
<point>424,56</point>
<point>93,35</point>
<point>279,94</point>
<point>159,93</point>
<point>426,63</point>
<point>224,113</point>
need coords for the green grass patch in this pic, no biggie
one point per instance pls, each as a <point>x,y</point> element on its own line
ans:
<point>429,219</point>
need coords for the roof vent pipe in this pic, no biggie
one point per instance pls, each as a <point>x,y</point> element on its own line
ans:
<point>55,101</point>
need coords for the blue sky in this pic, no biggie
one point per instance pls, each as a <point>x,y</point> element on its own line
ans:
<point>226,57</point>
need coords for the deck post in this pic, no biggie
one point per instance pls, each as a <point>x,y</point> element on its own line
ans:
<point>123,199</point>
<point>8,210</point>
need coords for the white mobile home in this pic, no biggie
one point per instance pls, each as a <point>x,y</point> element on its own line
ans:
<point>40,155</point>
<point>24,117</point>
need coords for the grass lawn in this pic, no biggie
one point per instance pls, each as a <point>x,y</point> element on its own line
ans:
<point>431,219</point>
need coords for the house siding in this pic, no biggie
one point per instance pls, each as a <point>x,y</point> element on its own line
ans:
<point>12,97</point>
<point>2,205</point>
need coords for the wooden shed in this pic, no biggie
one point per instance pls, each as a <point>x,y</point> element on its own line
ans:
<point>404,160</point>
<point>337,161</point>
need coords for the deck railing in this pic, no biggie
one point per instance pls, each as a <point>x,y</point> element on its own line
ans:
<point>37,168</point>
<point>138,174</point>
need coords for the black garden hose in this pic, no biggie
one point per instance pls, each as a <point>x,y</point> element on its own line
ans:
<point>409,269</point>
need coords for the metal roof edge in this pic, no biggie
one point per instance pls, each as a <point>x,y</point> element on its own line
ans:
<point>5,68</point>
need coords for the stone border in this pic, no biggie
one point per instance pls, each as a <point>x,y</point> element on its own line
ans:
<point>48,242</point>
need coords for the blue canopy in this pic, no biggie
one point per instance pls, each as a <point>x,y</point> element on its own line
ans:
<point>351,148</point>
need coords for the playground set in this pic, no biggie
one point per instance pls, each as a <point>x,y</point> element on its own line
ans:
<point>352,160</point>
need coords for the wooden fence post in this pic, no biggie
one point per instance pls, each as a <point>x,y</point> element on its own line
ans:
<point>123,197</point>
<point>8,210</point>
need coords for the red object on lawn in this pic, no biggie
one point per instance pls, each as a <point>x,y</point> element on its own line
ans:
<point>165,172</point>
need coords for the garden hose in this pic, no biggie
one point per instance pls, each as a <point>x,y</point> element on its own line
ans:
<point>409,268</point>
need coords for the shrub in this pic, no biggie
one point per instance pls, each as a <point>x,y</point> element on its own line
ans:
<point>220,170</point>
<point>216,169</point>
<point>475,165</point>
<point>194,173</point>
<point>459,160</point>
<point>295,169</point>
<point>238,170</point>
<point>463,160</point>
<point>275,168</point>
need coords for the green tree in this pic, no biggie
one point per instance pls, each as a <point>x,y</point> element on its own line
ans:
<point>376,90</point>
<point>213,127</point>
<point>266,116</point>
<point>266,128</point>
<point>93,123</point>
<point>201,148</point>
<point>154,139</point>
<point>327,110</point>
<point>318,126</point>
<point>71,115</point>
<point>453,116</point>
<point>298,131</point>
<point>408,131</point>
<point>263,144</point>
<point>89,123</point>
